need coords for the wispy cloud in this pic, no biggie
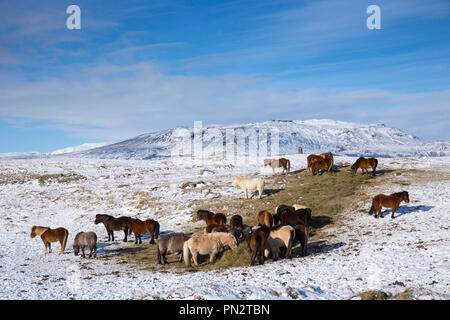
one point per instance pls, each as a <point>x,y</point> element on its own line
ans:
<point>113,102</point>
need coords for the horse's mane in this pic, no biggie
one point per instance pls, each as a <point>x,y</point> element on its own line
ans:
<point>398,194</point>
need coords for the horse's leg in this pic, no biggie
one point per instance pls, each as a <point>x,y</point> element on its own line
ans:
<point>140,239</point>
<point>212,257</point>
<point>82,252</point>
<point>135,237</point>
<point>195,257</point>
<point>61,242</point>
<point>109,234</point>
<point>49,247</point>
<point>126,234</point>
<point>245,194</point>
<point>393,210</point>
<point>152,237</point>
<point>261,256</point>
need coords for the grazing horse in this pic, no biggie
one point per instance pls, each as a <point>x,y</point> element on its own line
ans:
<point>310,160</point>
<point>321,164</point>
<point>287,215</point>
<point>280,238</point>
<point>113,224</point>
<point>83,239</point>
<point>170,244</point>
<point>257,243</point>
<point>209,244</point>
<point>236,222</point>
<point>278,163</point>
<point>302,235</point>
<point>49,235</point>
<point>392,201</point>
<point>236,232</point>
<point>265,218</point>
<point>140,227</point>
<point>249,184</point>
<point>329,156</point>
<point>210,217</point>
<point>365,164</point>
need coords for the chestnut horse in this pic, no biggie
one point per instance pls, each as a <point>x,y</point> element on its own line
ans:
<point>210,217</point>
<point>140,227</point>
<point>329,156</point>
<point>365,164</point>
<point>321,164</point>
<point>310,160</point>
<point>265,219</point>
<point>392,201</point>
<point>257,243</point>
<point>51,235</point>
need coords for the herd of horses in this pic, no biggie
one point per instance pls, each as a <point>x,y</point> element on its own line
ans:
<point>274,236</point>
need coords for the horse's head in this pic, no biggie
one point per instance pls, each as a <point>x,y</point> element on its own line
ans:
<point>98,218</point>
<point>355,167</point>
<point>406,196</point>
<point>234,183</point>
<point>33,232</point>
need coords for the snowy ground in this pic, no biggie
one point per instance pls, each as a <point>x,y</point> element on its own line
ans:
<point>361,253</point>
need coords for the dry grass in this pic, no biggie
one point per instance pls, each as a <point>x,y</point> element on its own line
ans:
<point>327,195</point>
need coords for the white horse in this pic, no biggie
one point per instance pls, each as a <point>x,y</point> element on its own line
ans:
<point>278,238</point>
<point>207,244</point>
<point>249,184</point>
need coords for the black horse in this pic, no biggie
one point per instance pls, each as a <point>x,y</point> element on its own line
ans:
<point>287,215</point>
<point>113,224</point>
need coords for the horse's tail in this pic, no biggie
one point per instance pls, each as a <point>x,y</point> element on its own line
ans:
<point>372,209</point>
<point>288,165</point>
<point>186,254</point>
<point>66,235</point>
<point>256,249</point>
<point>375,166</point>
<point>291,241</point>
<point>156,230</point>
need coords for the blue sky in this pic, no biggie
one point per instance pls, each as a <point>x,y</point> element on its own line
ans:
<point>139,66</point>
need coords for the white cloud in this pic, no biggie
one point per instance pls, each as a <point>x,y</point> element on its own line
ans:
<point>116,102</point>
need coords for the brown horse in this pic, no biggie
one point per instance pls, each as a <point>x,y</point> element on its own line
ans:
<point>365,164</point>
<point>392,201</point>
<point>210,217</point>
<point>278,163</point>
<point>51,235</point>
<point>140,227</point>
<point>257,243</point>
<point>113,224</point>
<point>265,219</point>
<point>321,164</point>
<point>310,160</point>
<point>329,156</point>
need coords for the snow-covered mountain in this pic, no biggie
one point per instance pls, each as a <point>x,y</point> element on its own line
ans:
<point>314,136</point>
<point>30,155</point>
